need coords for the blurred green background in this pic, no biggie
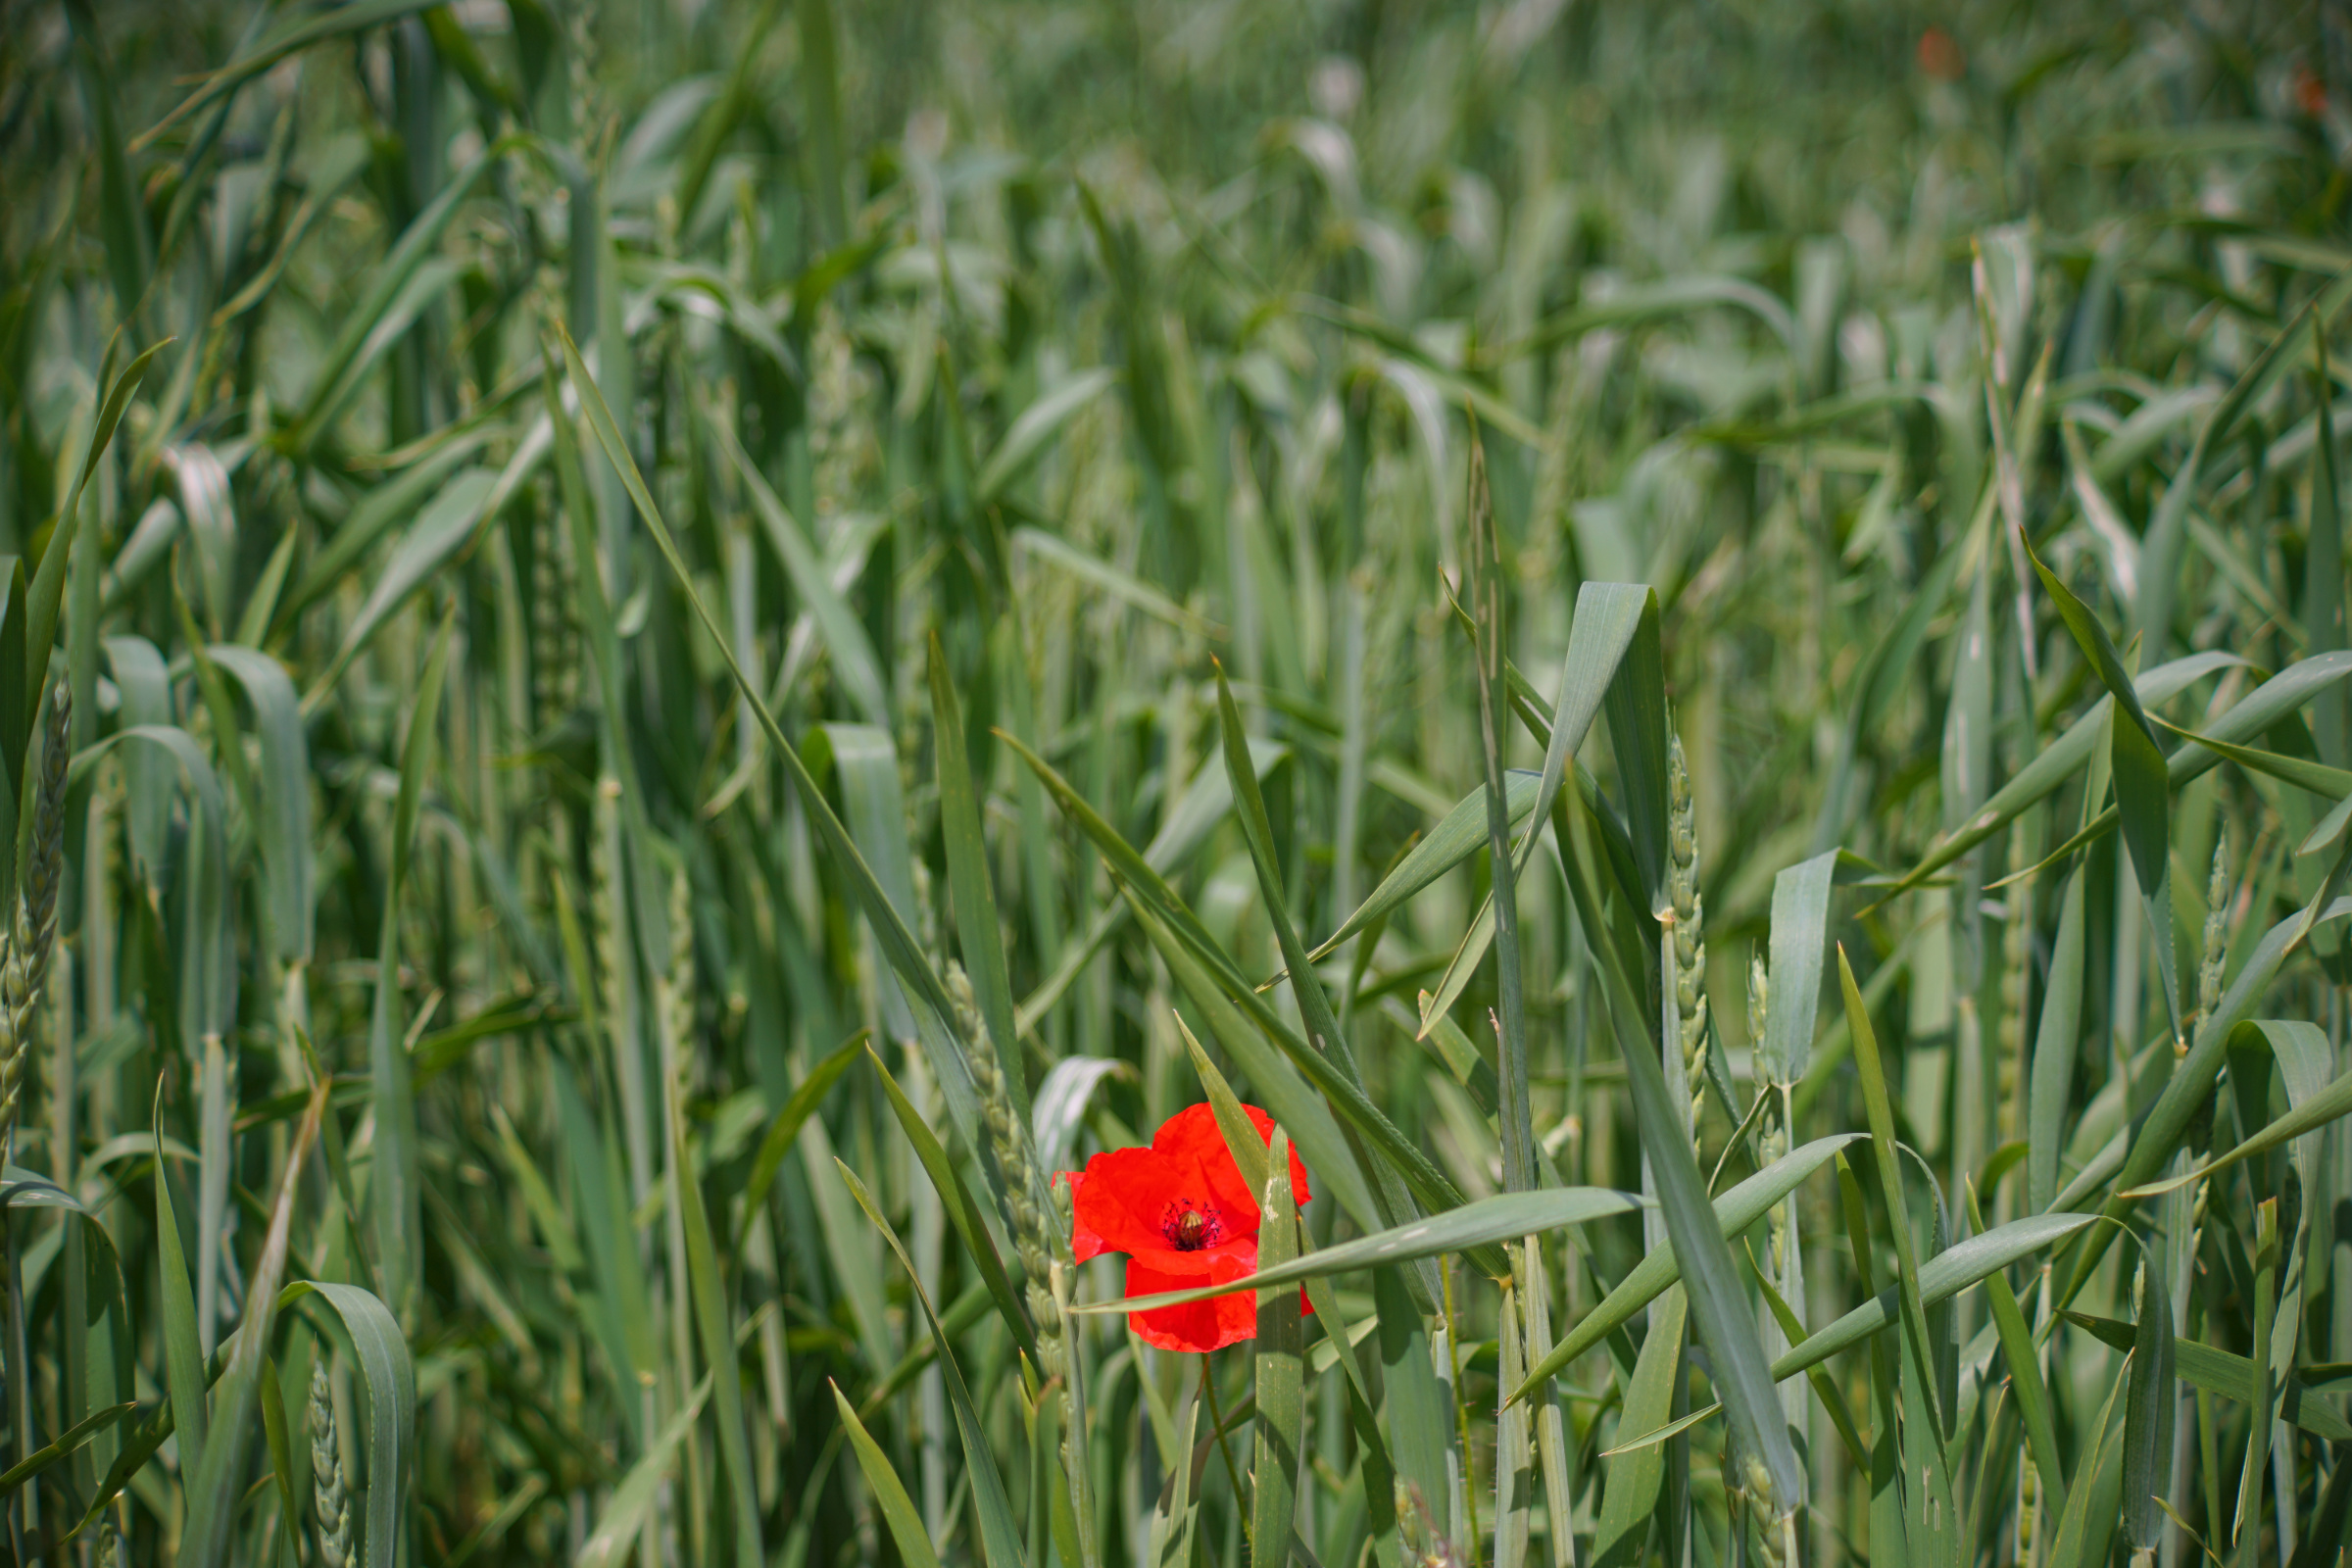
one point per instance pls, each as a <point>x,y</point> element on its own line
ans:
<point>994,369</point>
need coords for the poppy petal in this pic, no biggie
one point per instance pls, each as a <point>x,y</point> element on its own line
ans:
<point>1193,1132</point>
<point>1118,1201</point>
<point>1197,1326</point>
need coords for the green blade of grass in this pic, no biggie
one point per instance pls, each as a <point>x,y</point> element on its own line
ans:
<point>1278,1368</point>
<point>997,1534</point>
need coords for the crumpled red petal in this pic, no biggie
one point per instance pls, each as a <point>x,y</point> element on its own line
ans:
<point>1117,1203</point>
<point>1193,1133</point>
<point>1197,1326</point>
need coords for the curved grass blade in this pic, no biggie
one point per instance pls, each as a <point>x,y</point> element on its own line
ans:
<point>183,1358</point>
<point>1280,1373</point>
<point>1289,1099</point>
<point>219,1481</point>
<point>64,1446</point>
<point>2191,1083</point>
<point>440,528</point>
<point>1940,1278</point>
<point>855,662</point>
<point>45,600</point>
<point>890,1493</point>
<point>714,1326</point>
<point>1253,1159</point>
<point>2230,1375</point>
<point>384,1364</point>
<point>1390,1177</point>
<point>1633,1479</point>
<point>1000,1538</point>
<point>962,1212</point>
<point>1456,837</point>
<point>2051,1084</point>
<point>392,1183</point>
<point>1036,428</point>
<point>2033,1394</point>
<point>2319,1110</point>
<point>285,825</point>
<point>2149,1407</point>
<point>892,934</point>
<point>1735,1211</point>
<point>778,1143</point>
<point>2168,530</point>
<point>2142,780</point>
<point>978,931</point>
<point>361,338</point>
<point>1502,1217</point>
<point>624,1521</point>
<point>1929,1512</point>
<point>1719,1309</point>
<point>2059,761</point>
<point>1800,919</point>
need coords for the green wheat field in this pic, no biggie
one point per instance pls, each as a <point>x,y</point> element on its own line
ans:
<point>1629,720</point>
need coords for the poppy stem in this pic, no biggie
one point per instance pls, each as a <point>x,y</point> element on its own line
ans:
<point>1216,1421</point>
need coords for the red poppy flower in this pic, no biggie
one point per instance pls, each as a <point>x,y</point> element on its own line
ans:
<point>1183,1217</point>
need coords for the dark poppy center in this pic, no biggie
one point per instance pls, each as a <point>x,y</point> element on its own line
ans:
<point>1188,1229</point>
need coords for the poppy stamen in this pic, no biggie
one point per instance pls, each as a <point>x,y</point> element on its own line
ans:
<point>1190,1230</point>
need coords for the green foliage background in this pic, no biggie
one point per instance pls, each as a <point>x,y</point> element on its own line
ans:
<point>656,654</point>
